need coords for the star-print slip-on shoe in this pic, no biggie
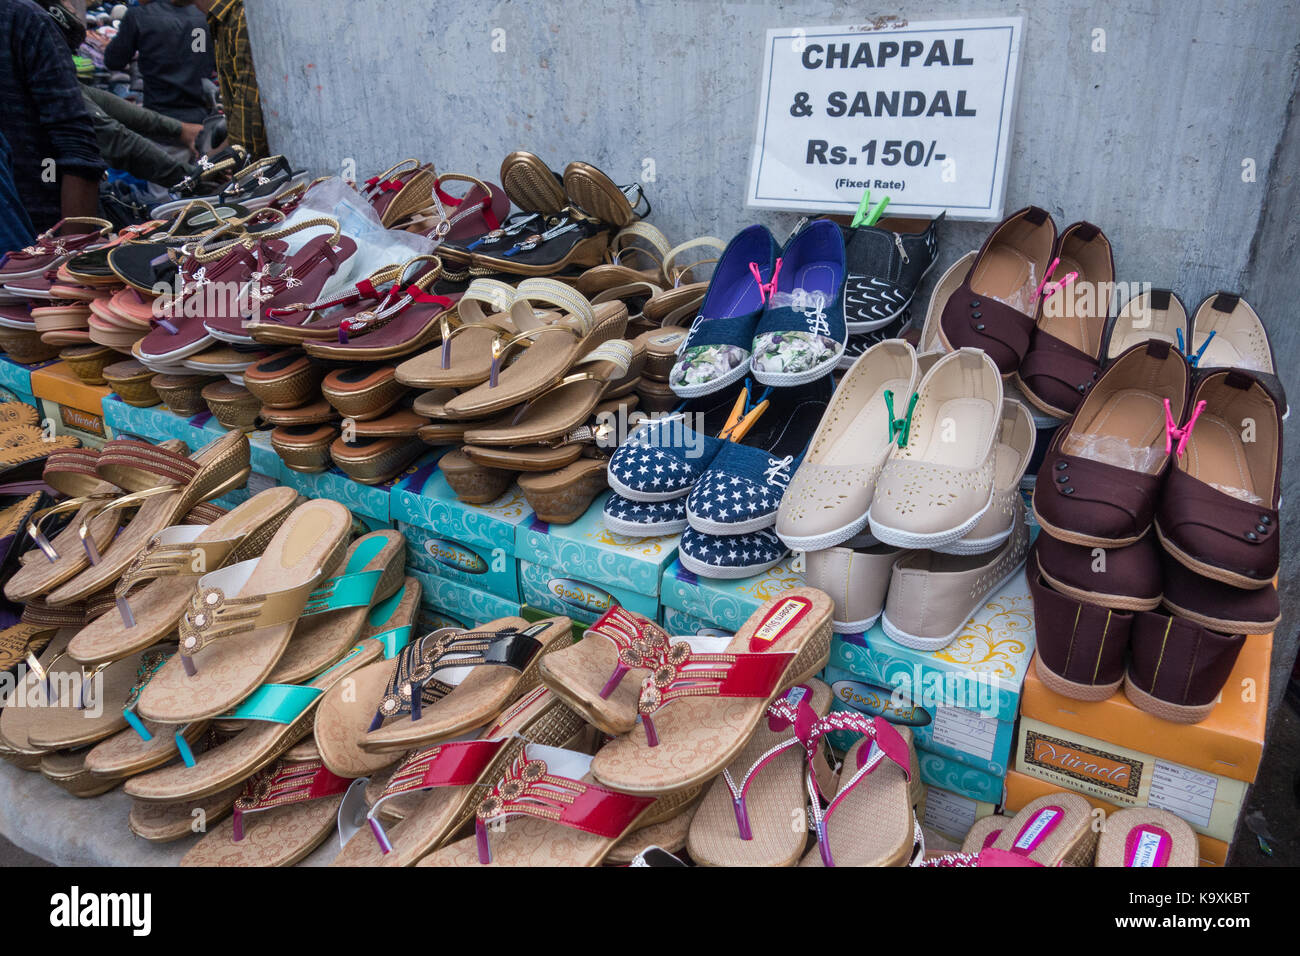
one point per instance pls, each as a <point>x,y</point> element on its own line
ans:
<point>716,353</point>
<point>665,457</point>
<point>644,519</point>
<point>801,334</point>
<point>729,556</point>
<point>885,263</point>
<point>742,489</point>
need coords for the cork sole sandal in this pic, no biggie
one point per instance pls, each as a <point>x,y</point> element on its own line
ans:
<point>564,495</point>
<point>67,769</point>
<point>338,610</point>
<point>473,483</point>
<point>870,820</point>
<point>1145,837</point>
<point>169,822</point>
<point>276,716</point>
<point>595,193</point>
<point>600,676</point>
<point>562,407</point>
<point>553,348</point>
<point>163,486</point>
<point>1051,831</point>
<point>459,680</point>
<point>373,461</point>
<point>531,184</point>
<point>668,835</point>
<point>470,333</point>
<point>345,711</point>
<point>745,816</point>
<point>284,812</point>
<point>242,617</point>
<point>155,590</point>
<point>127,753</point>
<point>84,707</point>
<point>451,779</point>
<point>701,709</point>
<point>548,811</point>
<point>28,698</point>
<point>304,448</point>
<point>984,833</point>
<point>362,392</point>
<point>71,472</point>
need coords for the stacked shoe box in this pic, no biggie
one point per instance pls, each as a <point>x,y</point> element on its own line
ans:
<point>16,382</point>
<point>698,605</point>
<point>1113,752</point>
<point>74,407</point>
<point>369,504</point>
<point>961,700</point>
<point>462,554</point>
<point>582,569</point>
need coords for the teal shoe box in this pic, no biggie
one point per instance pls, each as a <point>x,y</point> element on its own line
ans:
<point>981,743</point>
<point>367,502</point>
<point>556,592</point>
<point>472,544</point>
<point>156,424</point>
<point>446,603</point>
<point>938,771</point>
<point>17,378</point>
<point>727,604</point>
<point>680,624</point>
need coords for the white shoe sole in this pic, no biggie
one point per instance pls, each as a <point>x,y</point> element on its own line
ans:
<point>631,494</point>
<point>930,541</point>
<point>788,379</point>
<point>703,570</point>
<point>706,526</point>
<point>713,385</point>
<point>172,358</point>
<point>829,539</point>
<point>855,627</point>
<point>637,529</point>
<point>898,636</point>
<point>974,545</point>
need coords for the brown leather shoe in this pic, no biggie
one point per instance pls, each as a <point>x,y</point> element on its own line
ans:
<point>1098,484</point>
<point>1125,579</point>
<point>1218,511</point>
<point>1064,353</point>
<point>1081,647</point>
<point>1178,667</point>
<point>997,305</point>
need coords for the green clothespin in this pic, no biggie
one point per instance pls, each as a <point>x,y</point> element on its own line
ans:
<point>866,216</point>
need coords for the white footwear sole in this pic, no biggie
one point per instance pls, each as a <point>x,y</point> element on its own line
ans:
<point>829,539</point>
<point>859,327</point>
<point>714,385</point>
<point>724,528</point>
<point>931,541</point>
<point>631,494</point>
<point>898,636</point>
<point>703,570</point>
<point>855,627</point>
<point>974,545</point>
<point>638,529</point>
<point>787,379</point>
<point>223,336</point>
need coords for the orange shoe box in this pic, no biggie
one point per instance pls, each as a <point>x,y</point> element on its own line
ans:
<point>1228,743</point>
<point>75,408</point>
<point>1021,789</point>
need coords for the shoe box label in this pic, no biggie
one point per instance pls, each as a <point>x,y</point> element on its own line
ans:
<point>1111,772</point>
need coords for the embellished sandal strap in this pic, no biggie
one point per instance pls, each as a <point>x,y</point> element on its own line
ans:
<point>283,784</point>
<point>638,643</point>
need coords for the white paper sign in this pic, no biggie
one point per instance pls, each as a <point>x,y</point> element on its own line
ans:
<point>920,112</point>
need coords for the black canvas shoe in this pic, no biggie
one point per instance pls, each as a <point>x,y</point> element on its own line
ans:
<point>884,268</point>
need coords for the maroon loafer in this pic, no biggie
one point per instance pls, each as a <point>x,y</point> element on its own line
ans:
<point>1218,512</point>
<point>998,303</point>
<point>1100,480</point>
<point>1124,579</point>
<point>1081,647</point>
<point>1215,605</point>
<point>1064,357</point>
<point>1178,667</point>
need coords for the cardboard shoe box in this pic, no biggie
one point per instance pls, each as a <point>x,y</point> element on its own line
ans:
<point>725,604</point>
<point>75,408</point>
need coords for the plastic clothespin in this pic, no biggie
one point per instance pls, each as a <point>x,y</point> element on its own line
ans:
<point>866,215</point>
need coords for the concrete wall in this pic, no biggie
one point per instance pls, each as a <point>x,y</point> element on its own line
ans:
<point>1146,139</point>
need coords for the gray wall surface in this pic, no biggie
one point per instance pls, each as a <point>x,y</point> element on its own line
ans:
<point>1146,139</point>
